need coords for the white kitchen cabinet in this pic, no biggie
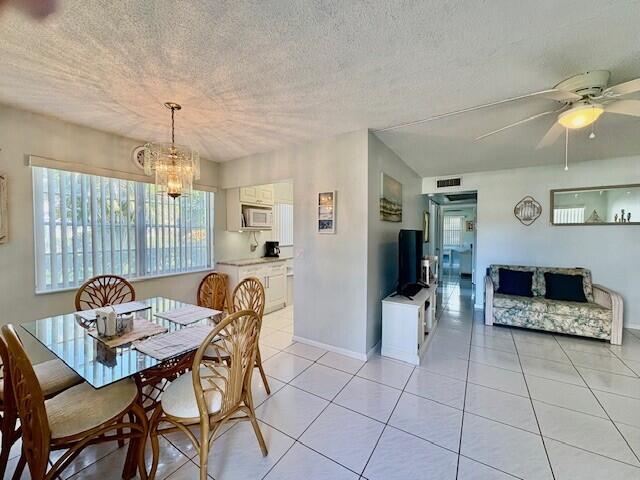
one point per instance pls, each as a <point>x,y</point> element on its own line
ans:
<point>257,195</point>
<point>271,273</point>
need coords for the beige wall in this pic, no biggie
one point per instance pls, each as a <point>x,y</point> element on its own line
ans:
<point>21,134</point>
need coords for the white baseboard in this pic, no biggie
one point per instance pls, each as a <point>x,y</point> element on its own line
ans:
<point>332,348</point>
<point>373,349</point>
<point>635,326</point>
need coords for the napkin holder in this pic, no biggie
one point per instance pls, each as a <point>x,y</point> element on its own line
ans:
<point>110,325</point>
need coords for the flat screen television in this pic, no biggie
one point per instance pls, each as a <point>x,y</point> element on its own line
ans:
<point>410,262</point>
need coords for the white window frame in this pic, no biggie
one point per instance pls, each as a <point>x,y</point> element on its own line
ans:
<point>446,230</point>
<point>136,243</point>
<point>283,215</point>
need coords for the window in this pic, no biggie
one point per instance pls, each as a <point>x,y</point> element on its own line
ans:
<point>453,230</point>
<point>86,225</point>
<point>283,224</point>
<point>568,215</point>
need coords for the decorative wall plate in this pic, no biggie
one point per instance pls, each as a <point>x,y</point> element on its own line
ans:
<point>527,210</point>
<point>137,157</point>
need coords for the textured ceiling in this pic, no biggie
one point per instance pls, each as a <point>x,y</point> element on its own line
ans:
<point>256,75</point>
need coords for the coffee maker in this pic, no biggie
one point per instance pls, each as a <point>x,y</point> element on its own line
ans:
<point>271,249</point>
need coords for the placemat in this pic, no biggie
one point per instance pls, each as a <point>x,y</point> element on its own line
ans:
<point>175,343</point>
<point>188,314</point>
<point>141,328</point>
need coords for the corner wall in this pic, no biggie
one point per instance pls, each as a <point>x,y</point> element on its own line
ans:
<point>330,297</point>
<point>611,252</point>
<point>382,237</point>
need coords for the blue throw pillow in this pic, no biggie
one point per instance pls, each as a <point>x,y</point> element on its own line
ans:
<point>515,282</point>
<point>560,286</point>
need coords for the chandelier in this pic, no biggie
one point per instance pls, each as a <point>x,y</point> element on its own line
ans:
<point>175,166</point>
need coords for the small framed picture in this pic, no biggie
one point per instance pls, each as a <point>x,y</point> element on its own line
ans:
<point>327,212</point>
<point>469,225</point>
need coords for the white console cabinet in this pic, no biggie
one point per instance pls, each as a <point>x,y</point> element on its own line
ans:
<point>272,274</point>
<point>407,325</point>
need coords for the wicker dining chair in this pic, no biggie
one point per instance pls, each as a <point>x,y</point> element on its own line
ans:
<point>213,291</point>
<point>53,376</point>
<point>215,391</point>
<point>104,290</point>
<point>249,295</point>
<point>73,419</point>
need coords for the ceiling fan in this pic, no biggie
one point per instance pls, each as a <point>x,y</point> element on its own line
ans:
<point>583,99</point>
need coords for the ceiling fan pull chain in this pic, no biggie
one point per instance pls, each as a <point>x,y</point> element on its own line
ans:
<point>566,149</point>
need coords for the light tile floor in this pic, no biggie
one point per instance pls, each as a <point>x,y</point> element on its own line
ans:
<point>486,403</point>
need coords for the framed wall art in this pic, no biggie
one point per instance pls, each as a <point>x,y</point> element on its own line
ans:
<point>390,199</point>
<point>327,212</point>
<point>527,210</point>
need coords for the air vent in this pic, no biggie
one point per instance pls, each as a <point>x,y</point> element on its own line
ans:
<point>449,182</point>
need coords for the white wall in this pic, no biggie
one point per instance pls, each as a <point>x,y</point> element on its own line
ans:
<point>330,270</point>
<point>382,242</point>
<point>611,252</point>
<point>23,133</point>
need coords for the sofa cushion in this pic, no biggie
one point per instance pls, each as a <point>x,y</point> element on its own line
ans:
<point>559,286</point>
<point>494,273</point>
<point>515,303</point>
<point>514,282</point>
<point>586,279</point>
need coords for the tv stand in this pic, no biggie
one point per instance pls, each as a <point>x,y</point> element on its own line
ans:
<point>407,324</point>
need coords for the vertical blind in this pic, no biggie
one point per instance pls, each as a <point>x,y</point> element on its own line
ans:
<point>283,223</point>
<point>452,230</point>
<point>568,215</point>
<point>87,225</point>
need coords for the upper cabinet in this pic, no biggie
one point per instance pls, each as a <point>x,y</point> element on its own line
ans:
<point>257,195</point>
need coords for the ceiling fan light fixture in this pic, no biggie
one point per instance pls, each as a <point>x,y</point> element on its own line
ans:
<point>580,116</point>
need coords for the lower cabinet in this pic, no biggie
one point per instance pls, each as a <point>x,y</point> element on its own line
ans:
<point>272,275</point>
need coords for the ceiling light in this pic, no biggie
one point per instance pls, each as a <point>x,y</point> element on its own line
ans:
<point>580,115</point>
<point>175,166</point>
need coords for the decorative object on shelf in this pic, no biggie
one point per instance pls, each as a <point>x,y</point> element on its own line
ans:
<point>594,218</point>
<point>175,166</point>
<point>327,212</point>
<point>425,227</point>
<point>390,199</point>
<point>4,211</point>
<point>469,226</point>
<point>527,210</point>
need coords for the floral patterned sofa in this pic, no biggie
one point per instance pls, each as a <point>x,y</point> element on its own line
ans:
<point>600,317</point>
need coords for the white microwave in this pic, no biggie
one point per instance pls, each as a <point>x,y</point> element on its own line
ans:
<point>258,218</point>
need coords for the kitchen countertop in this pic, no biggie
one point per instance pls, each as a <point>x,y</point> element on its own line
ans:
<point>243,262</point>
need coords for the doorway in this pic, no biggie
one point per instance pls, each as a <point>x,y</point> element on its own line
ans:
<point>455,238</point>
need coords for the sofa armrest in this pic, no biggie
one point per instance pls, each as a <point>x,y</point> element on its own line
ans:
<point>488,300</point>
<point>610,299</point>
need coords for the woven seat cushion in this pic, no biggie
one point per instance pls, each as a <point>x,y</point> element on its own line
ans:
<point>179,398</point>
<point>54,376</point>
<point>83,407</point>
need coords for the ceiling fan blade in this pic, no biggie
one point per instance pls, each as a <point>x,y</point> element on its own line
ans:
<point>560,95</point>
<point>622,88</point>
<point>551,136</point>
<point>624,107</point>
<point>519,122</point>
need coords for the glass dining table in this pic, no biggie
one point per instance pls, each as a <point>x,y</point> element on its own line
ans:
<point>68,338</point>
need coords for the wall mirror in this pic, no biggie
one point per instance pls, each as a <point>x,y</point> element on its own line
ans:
<point>612,205</point>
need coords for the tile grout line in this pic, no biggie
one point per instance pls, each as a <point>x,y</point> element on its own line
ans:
<point>535,415</point>
<point>605,410</point>
<point>464,402</point>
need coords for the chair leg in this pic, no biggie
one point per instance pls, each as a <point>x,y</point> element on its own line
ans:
<point>9,421</point>
<point>204,449</point>
<point>153,435</point>
<point>262,374</point>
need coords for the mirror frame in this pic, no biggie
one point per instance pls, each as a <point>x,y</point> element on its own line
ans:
<point>582,189</point>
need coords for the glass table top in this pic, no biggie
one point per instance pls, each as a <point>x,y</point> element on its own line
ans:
<point>67,338</point>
